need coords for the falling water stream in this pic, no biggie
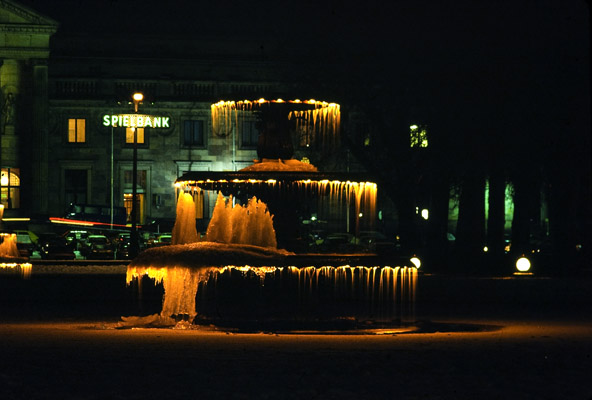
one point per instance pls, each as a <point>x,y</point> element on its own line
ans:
<point>237,272</point>
<point>10,258</point>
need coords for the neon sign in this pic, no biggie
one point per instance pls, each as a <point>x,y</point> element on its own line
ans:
<point>136,121</point>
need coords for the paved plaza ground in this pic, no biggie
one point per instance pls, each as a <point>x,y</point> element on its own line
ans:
<point>486,338</point>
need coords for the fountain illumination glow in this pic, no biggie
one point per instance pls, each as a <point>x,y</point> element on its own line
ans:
<point>236,270</point>
<point>10,257</point>
<point>240,242</point>
<point>322,119</point>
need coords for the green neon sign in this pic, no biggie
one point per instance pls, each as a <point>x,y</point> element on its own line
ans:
<point>136,121</point>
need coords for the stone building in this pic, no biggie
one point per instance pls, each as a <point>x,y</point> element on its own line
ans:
<point>24,154</point>
<point>57,94</point>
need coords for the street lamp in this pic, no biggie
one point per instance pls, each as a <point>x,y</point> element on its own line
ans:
<point>134,248</point>
<point>137,97</point>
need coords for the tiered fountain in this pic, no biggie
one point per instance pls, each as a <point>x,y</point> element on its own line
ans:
<point>237,272</point>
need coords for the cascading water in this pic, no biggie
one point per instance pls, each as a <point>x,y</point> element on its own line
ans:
<point>251,224</point>
<point>235,234</point>
<point>10,257</point>
<point>8,247</point>
<point>184,230</point>
<point>237,271</point>
<point>380,294</point>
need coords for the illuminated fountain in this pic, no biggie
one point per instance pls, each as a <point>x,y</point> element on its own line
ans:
<point>237,272</point>
<point>10,257</point>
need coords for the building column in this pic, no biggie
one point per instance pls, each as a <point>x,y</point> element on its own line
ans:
<point>10,77</point>
<point>40,139</point>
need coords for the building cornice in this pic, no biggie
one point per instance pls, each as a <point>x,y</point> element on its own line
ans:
<point>19,53</point>
<point>28,14</point>
<point>28,29</point>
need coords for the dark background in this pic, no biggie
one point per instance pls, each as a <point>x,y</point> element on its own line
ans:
<point>504,87</point>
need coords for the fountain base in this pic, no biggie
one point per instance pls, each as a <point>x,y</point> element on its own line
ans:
<point>224,284</point>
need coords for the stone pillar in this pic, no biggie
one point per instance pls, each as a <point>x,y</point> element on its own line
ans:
<point>10,77</point>
<point>39,140</point>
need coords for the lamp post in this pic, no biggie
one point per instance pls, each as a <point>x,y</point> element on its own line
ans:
<point>134,248</point>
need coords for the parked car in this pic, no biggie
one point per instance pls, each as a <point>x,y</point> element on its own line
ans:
<point>77,238</point>
<point>122,246</point>
<point>374,241</point>
<point>339,242</point>
<point>162,240</point>
<point>55,247</point>
<point>26,242</point>
<point>98,247</point>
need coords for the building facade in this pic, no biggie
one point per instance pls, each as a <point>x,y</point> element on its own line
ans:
<point>57,149</point>
<point>24,54</point>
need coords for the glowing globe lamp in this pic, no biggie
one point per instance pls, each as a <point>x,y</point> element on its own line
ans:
<point>523,264</point>
<point>416,261</point>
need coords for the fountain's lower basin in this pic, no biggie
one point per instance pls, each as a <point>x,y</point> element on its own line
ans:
<point>224,282</point>
<point>207,254</point>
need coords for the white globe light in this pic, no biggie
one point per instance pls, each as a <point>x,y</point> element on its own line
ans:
<point>416,261</point>
<point>523,264</point>
<point>425,214</point>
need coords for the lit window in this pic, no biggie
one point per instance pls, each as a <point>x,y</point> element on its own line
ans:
<point>249,134</point>
<point>129,135</point>
<point>128,204</point>
<point>193,133</point>
<point>10,185</point>
<point>128,180</point>
<point>418,136</point>
<point>76,130</point>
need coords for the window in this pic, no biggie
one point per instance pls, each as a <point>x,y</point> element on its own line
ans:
<point>418,136</point>
<point>129,136</point>
<point>193,133</point>
<point>128,204</point>
<point>249,134</point>
<point>76,130</point>
<point>10,185</point>
<point>75,185</point>
<point>128,179</point>
<point>141,185</point>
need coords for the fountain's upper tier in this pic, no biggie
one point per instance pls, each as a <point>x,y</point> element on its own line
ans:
<point>317,123</point>
<point>289,193</point>
<point>211,180</point>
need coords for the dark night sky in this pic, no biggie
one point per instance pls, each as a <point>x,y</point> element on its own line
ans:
<point>520,60</point>
<point>504,36</point>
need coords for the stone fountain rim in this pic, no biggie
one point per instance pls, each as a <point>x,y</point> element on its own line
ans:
<point>194,178</point>
<point>211,254</point>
